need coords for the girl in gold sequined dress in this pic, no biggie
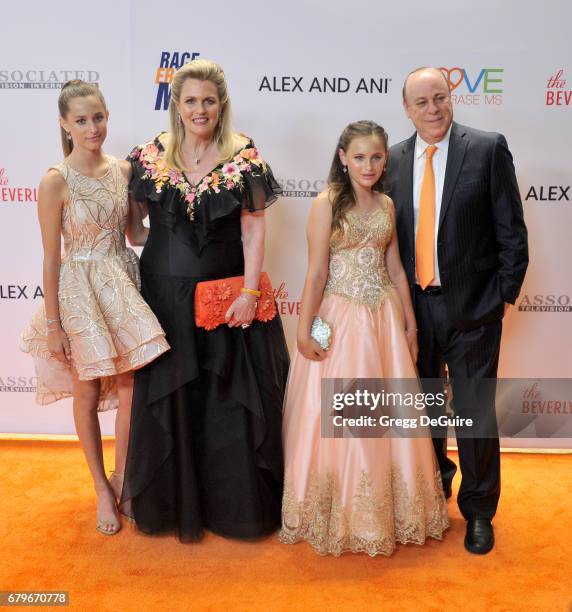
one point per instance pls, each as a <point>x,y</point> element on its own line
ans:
<point>94,328</point>
<point>355,493</point>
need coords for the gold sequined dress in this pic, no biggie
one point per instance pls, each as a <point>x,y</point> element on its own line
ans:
<point>110,328</point>
<point>356,493</point>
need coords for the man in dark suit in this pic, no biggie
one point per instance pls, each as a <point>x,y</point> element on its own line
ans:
<point>463,244</point>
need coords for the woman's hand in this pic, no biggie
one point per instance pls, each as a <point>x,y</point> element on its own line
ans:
<point>411,335</point>
<point>59,345</point>
<point>310,349</point>
<point>241,311</point>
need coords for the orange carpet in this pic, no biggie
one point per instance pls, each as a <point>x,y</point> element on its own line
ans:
<point>49,542</point>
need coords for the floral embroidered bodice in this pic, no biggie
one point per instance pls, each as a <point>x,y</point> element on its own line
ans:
<point>229,175</point>
<point>207,211</point>
<point>357,258</point>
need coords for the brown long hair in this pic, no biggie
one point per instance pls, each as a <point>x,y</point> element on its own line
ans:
<point>75,89</point>
<point>341,194</point>
<point>202,70</point>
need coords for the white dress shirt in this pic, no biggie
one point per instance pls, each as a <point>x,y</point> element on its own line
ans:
<point>439,165</point>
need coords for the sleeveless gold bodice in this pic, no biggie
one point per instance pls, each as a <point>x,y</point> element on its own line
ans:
<point>93,222</point>
<point>357,258</point>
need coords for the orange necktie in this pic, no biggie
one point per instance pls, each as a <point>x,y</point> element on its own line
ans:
<point>425,242</point>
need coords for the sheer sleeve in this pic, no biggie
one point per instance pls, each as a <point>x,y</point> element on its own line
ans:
<point>142,186</point>
<point>260,187</point>
<point>137,187</point>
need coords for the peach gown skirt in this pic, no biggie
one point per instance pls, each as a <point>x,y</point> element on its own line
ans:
<point>357,494</point>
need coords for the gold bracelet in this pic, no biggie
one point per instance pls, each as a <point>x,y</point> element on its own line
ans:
<point>251,291</point>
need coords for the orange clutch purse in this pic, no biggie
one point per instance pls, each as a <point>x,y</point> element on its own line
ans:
<point>213,299</point>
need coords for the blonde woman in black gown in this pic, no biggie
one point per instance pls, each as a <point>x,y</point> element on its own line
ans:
<point>205,449</point>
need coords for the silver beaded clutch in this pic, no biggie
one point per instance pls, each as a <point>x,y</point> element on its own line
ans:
<point>321,332</point>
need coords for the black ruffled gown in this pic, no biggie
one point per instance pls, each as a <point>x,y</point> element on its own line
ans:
<point>205,448</point>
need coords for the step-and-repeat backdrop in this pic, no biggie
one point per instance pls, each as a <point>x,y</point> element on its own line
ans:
<point>298,71</point>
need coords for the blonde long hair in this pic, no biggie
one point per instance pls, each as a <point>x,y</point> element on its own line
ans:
<point>75,89</point>
<point>226,140</point>
<point>342,195</point>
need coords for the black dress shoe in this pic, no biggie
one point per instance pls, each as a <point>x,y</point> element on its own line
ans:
<point>480,537</point>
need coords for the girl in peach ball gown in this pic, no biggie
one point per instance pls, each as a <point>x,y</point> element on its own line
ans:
<point>355,494</point>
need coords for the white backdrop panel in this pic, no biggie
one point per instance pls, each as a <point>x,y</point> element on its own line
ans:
<point>500,78</point>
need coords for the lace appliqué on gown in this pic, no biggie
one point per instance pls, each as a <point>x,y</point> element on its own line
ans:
<point>357,258</point>
<point>376,519</point>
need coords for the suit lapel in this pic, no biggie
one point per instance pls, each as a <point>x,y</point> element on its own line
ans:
<point>406,188</point>
<point>458,142</point>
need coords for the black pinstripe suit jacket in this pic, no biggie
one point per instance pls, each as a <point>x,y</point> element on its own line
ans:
<point>482,244</point>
